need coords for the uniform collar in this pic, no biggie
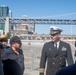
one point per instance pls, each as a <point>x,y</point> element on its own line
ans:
<point>57,44</point>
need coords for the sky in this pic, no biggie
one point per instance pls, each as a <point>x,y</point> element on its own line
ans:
<point>43,8</point>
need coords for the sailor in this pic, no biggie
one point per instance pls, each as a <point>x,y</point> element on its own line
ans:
<point>55,53</point>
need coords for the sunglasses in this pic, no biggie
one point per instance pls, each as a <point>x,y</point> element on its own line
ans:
<point>4,40</point>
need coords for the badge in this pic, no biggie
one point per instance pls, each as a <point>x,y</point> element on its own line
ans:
<point>63,49</point>
<point>49,48</point>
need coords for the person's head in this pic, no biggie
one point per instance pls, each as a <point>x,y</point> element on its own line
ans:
<point>3,40</point>
<point>55,33</point>
<point>15,42</point>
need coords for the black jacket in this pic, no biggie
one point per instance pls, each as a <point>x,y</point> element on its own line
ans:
<point>10,56</point>
<point>56,58</point>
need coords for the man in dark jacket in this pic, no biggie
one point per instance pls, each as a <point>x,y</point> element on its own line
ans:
<point>13,58</point>
<point>55,52</point>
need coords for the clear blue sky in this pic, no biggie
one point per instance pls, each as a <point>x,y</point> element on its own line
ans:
<point>43,8</point>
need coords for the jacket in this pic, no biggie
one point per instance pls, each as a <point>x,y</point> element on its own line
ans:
<point>56,58</point>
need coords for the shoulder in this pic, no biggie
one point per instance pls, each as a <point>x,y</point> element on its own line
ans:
<point>6,54</point>
<point>65,43</point>
<point>9,50</point>
<point>47,44</point>
<point>21,51</point>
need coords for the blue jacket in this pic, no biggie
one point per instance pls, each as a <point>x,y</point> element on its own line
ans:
<point>5,48</point>
<point>69,70</point>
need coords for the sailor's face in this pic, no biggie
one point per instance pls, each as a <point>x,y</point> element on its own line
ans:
<point>55,37</point>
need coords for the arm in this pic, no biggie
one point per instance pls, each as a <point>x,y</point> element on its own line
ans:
<point>69,55</point>
<point>43,61</point>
